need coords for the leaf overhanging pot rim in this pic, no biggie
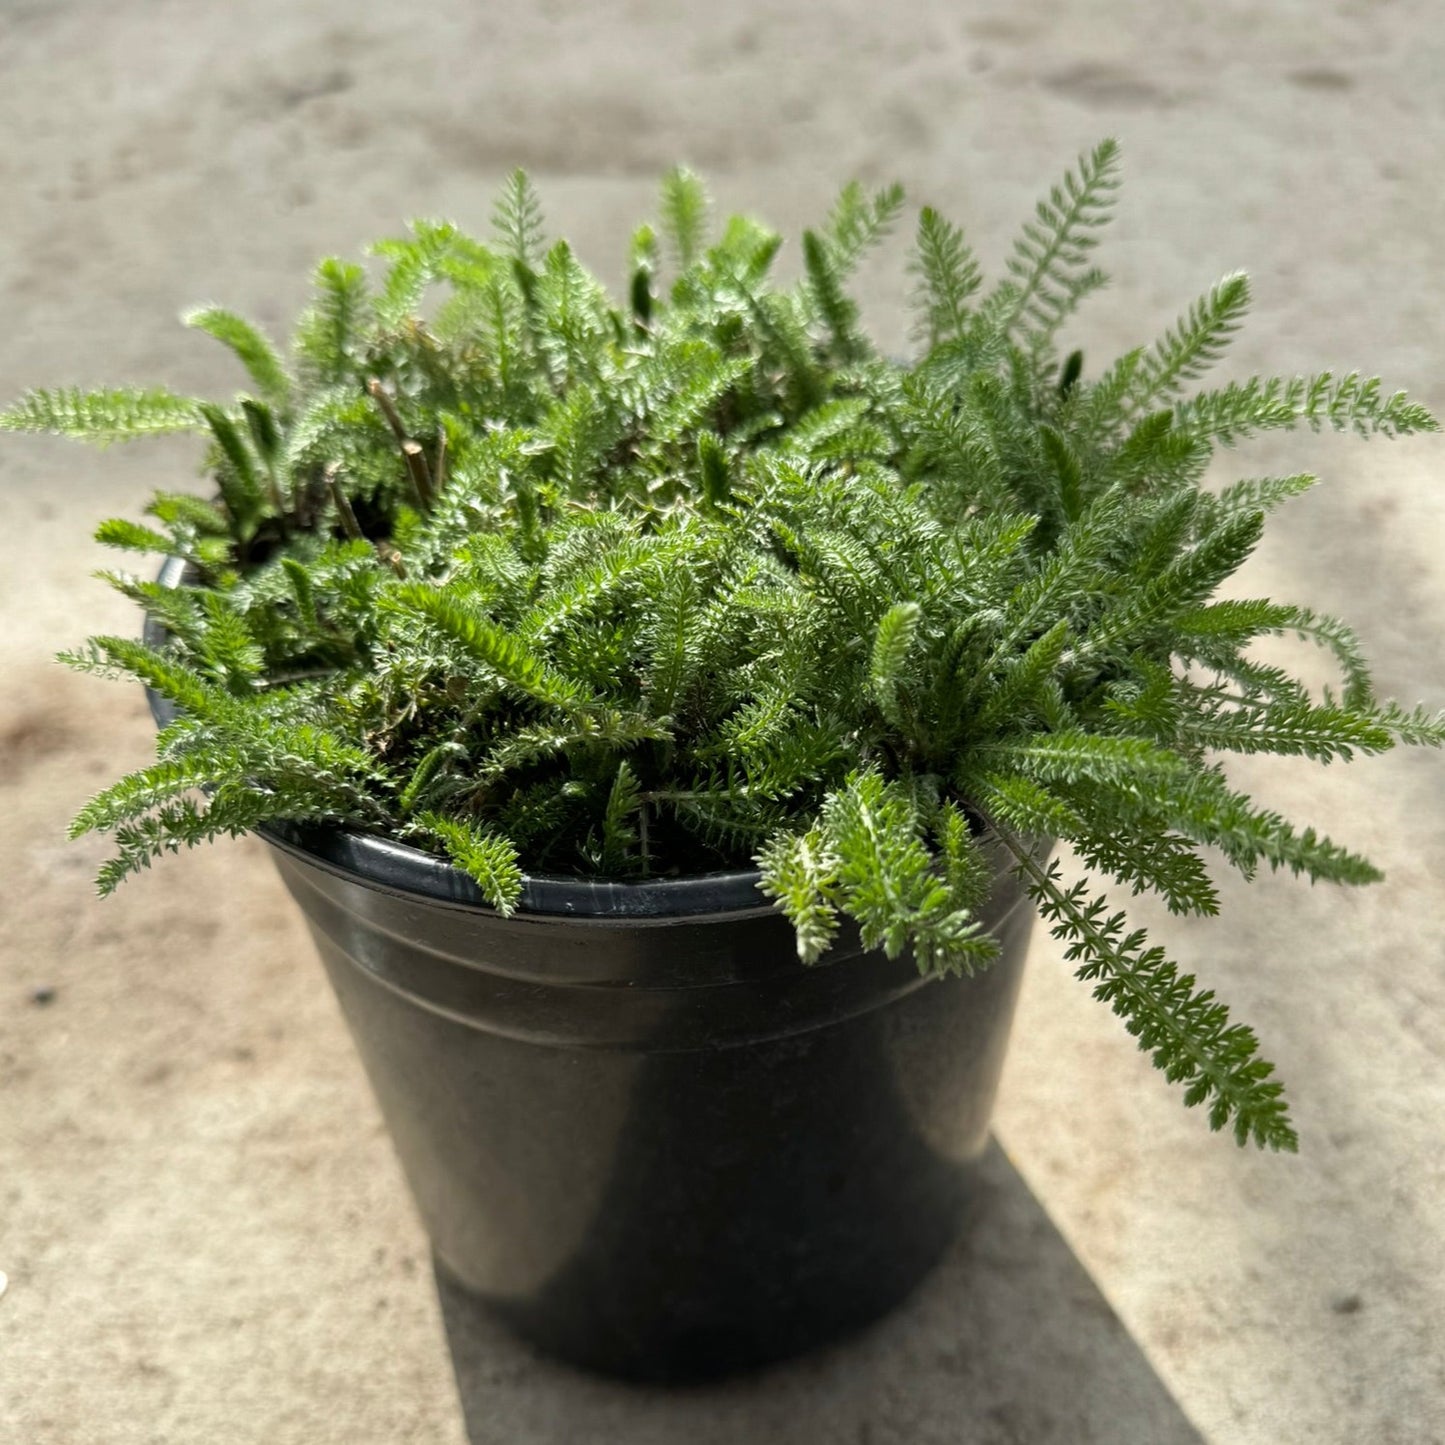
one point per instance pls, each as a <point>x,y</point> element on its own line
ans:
<point>397,867</point>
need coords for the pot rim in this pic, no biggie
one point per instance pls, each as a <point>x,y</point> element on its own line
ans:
<point>396,867</point>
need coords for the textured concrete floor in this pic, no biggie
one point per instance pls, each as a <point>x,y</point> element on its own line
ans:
<point>205,1234</point>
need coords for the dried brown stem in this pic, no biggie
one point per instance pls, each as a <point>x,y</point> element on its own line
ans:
<point>439,469</point>
<point>387,407</point>
<point>416,468</point>
<point>349,524</point>
<point>391,557</point>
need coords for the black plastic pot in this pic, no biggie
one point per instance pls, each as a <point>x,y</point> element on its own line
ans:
<point>634,1124</point>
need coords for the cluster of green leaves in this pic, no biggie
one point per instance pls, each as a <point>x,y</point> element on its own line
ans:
<point>496,565</point>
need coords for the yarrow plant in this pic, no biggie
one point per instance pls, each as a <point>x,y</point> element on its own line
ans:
<point>495,565</point>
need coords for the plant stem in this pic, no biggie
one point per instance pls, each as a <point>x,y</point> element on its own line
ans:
<point>439,470</point>
<point>417,473</point>
<point>411,451</point>
<point>349,524</point>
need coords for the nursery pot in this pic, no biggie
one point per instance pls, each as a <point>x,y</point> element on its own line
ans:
<point>635,1125</point>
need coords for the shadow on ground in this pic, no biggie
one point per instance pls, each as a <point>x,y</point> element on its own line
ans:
<point>1009,1341</point>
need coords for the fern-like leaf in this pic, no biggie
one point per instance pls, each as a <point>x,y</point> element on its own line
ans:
<point>801,874</point>
<point>517,221</point>
<point>1048,267</point>
<point>103,417</point>
<point>838,311</point>
<point>260,358</point>
<point>507,656</point>
<point>857,223</point>
<point>1243,409</point>
<point>132,537</point>
<point>947,274</point>
<point>892,643</point>
<point>1192,346</point>
<point>328,332</point>
<point>1186,1031</point>
<point>684,215</point>
<point>619,832</point>
<point>490,859</point>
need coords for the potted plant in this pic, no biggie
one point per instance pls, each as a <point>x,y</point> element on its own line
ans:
<point>663,712</point>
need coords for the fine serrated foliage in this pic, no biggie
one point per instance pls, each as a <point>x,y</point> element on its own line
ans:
<point>892,643</point>
<point>684,218</point>
<point>252,350</point>
<point>1185,1031</point>
<point>948,276</point>
<point>1348,403</point>
<point>1190,348</point>
<point>326,340</point>
<point>1049,271</point>
<point>799,871</point>
<point>501,568</point>
<point>517,221</point>
<point>103,417</point>
<point>488,857</point>
<point>858,222</point>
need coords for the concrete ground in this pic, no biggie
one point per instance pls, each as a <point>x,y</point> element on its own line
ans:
<point>205,1235</point>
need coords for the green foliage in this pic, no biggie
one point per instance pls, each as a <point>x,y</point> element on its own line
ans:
<point>1049,268</point>
<point>490,859</point>
<point>1185,352</point>
<point>326,335</point>
<point>1186,1031</point>
<point>948,275</point>
<point>892,643</point>
<point>517,221</point>
<point>496,566</point>
<point>685,208</point>
<point>1351,403</point>
<point>103,417</point>
<point>252,350</point>
<point>858,222</point>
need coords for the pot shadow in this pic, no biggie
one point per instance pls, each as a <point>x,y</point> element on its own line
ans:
<point>1009,1340</point>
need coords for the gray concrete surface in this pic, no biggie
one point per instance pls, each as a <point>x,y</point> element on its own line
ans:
<point>205,1234</point>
